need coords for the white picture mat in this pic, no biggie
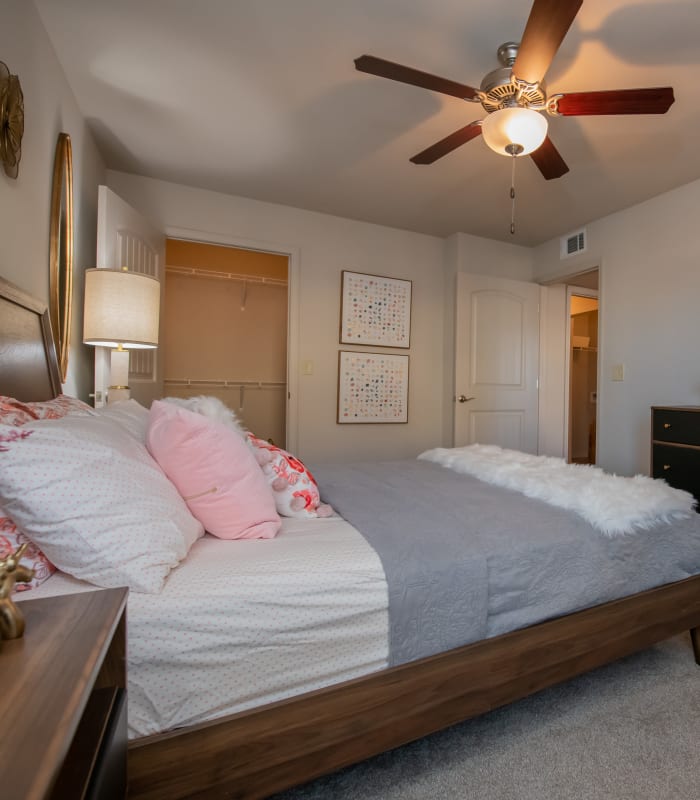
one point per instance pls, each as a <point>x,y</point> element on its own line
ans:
<point>372,387</point>
<point>375,310</point>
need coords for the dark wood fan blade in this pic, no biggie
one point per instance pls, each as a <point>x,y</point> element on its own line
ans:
<point>397,72</point>
<point>448,144</point>
<point>548,160</point>
<point>621,101</point>
<point>547,25</point>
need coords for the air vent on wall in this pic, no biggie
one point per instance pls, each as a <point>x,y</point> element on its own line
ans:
<point>573,244</point>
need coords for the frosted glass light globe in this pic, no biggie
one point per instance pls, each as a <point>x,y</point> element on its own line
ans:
<point>516,125</point>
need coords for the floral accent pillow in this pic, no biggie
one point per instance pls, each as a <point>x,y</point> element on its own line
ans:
<point>12,412</point>
<point>16,412</point>
<point>293,486</point>
<point>33,558</point>
<point>59,407</point>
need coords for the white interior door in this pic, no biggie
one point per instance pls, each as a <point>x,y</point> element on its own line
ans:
<point>126,238</point>
<point>496,370</point>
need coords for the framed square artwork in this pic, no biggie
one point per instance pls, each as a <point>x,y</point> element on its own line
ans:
<point>372,387</point>
<point>375,310</point>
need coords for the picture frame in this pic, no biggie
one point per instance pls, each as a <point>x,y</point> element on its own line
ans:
<point>372,387</point>
<point>375,310</point>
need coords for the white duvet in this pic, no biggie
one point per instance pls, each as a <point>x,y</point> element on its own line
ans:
<point>224,633</point>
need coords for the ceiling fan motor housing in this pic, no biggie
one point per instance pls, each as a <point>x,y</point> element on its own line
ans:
<point>500,88</point>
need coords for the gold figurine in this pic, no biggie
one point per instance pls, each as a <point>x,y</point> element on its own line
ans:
<point>11,572</point>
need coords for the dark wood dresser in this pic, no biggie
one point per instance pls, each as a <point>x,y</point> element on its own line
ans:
<point>63,700</point>
<point>675,446</point>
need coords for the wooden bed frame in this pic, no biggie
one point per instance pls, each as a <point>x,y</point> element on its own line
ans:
<point>258,752</point>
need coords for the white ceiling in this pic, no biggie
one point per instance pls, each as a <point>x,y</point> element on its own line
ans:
<point>260,98</point>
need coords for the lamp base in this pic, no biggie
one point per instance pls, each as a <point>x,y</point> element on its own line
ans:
<point>118,376</point>
<point>116,394</point>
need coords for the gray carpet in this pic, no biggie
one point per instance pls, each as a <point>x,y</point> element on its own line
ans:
<point>627,731</point>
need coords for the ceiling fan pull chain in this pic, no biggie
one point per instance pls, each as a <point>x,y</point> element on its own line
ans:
<point>512,197</point>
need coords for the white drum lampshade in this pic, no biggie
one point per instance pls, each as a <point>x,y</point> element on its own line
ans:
<point>122,310</point>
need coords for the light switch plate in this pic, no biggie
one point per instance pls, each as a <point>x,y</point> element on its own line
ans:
<point>618,372</point>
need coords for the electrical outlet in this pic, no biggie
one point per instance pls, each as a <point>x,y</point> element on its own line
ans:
<point>618,372</point>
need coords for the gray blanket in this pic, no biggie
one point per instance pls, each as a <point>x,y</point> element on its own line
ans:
<point>465,560</point>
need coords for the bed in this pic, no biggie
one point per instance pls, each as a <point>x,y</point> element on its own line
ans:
<point>256,752</point>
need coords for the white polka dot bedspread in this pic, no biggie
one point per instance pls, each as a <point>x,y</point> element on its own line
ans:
<point>244,623</point>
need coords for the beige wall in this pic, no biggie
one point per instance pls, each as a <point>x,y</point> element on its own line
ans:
<point>209,336</point>
<point>228,331</point>
<point>200,255</point>
<point>49,108</point>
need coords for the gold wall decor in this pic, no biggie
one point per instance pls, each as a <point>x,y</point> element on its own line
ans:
<point>11,572</point>
<point>11,121</point>
<point>61,250</point>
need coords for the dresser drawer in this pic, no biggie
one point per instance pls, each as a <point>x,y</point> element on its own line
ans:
<point>678,466</point>
<point>676,425</point>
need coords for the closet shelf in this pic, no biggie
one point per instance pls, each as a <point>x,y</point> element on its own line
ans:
<point>197,272</point>
<point>586,349</point>
<point>225,383</point>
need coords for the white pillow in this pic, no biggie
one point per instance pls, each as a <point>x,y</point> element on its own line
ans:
<point>92,498</point>
<point>130,414</point>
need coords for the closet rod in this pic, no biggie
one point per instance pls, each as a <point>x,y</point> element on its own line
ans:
<point>229,276</point>
<point>225,384</point>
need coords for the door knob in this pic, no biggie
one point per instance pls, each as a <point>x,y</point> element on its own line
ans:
<point>463,399</point>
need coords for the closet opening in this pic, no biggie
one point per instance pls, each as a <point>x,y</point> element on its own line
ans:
<point>583,374</point>
<point>225,330</point>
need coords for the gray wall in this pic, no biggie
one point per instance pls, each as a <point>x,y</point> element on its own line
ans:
<point>649,257</point>
<point>49,108</point>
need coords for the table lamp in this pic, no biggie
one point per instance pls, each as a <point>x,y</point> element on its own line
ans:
<point>121,312</point>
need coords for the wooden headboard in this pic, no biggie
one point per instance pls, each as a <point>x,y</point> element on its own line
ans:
<point>28,363</point>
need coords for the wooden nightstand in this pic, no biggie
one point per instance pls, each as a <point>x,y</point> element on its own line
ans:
<point>675,446</point>
<point>63,700</point>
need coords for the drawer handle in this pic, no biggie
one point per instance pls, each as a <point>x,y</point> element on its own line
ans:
<point>667,425</point>
<point>667,466</point>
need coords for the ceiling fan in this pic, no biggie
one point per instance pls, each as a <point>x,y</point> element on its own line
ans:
<point>515,94</point>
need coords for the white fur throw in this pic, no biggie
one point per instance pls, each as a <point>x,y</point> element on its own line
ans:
<point>211,407</point>
<point>611,503</point>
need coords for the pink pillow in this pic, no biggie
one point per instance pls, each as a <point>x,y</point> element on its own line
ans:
<point>214,471</point>
<point>293,486</point>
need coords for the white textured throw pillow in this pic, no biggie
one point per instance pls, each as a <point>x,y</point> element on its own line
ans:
<point>92,498</point>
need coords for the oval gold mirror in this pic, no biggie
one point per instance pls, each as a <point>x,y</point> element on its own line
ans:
<point>61,249</point>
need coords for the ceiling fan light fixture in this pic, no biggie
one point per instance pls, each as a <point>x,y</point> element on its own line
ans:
<point>509,129</point>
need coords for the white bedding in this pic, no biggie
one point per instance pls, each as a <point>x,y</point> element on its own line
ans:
<point>224,633</point>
